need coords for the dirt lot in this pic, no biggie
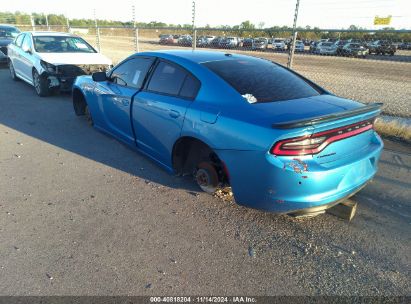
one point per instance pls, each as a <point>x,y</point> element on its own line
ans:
<point>81,214</point>
<point>381,79</point>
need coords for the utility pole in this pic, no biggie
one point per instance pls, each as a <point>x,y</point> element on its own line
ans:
<point>292,44</point>
<point>97,32</point>
<point>194,41</point>
<point>32,22</point>
<point>68,24</point>
<point>47,22</point>
<point>136,45</point>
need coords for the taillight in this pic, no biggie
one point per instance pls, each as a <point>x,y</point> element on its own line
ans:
<point>317,142</point>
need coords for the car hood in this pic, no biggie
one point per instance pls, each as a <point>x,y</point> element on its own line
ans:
<point>310,107</point>
<point>75,58</point>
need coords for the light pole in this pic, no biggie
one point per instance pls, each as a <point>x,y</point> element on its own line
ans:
<point>136,46</point>
<point>97,32</point>
<point>292,44</point>
<point>194,42</point>
<point>47,22</point>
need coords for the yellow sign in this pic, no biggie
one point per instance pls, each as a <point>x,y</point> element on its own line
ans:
<point>382,20</point>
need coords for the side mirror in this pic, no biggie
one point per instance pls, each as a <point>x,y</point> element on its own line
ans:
<point>99,76</point>
<point>26,49</point>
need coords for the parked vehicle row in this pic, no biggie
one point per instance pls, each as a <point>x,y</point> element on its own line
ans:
<point>332,46</point>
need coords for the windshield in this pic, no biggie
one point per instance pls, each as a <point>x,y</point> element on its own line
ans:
<point>61,44</point>
<point>278,41</point>
<point>261,80</point>
<point>9,32</point>
<point>326,44</point>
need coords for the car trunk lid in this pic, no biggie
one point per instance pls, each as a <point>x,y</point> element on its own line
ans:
<point>343,127</point>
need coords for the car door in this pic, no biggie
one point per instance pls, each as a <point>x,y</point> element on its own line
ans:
<point>159,109</point>
<point>26,58</point>
<point>115,95</point>
<point>15,55</point>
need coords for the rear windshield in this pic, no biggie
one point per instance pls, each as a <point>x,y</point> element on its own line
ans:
<point>9,32</point>
<point>259,80</point>
<point>61,44</point>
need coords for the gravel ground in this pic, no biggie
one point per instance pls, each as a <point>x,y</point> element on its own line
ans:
<point>81,214</point>
<point>378,79</point>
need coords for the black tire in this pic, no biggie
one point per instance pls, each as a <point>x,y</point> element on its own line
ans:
<point>40,85</point>
<point>207,177</point>
<point>88,116</point>
<point>79,106</point>
<point>12,71</point>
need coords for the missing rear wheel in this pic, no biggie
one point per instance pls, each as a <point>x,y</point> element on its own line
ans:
<point>207,177</point>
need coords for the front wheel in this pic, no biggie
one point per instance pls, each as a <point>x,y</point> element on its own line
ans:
<point>87,114</point>
<point>40,84</point>
<point>12,71</point>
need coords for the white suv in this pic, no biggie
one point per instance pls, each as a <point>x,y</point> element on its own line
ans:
<point>51,61</point>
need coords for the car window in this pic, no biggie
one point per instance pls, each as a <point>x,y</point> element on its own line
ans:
<point>132,72</point>
<point>190,87</point>
<point>26,42</point>
<point>167,79</point>
<point>19,39</point>
<point>259,80</point>
<point>61,44</point>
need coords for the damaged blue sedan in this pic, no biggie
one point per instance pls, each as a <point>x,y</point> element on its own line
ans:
<point>281,142</point>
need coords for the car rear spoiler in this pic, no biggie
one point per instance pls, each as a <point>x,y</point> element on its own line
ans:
<point>325,118</point>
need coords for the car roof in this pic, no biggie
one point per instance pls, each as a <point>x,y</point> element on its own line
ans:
<point>197,56</point>
<point>8,26</point>
<point>44,33</point>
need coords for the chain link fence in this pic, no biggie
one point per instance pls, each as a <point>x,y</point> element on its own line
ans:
<point>369,66</point>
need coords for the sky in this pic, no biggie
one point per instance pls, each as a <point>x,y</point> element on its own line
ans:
<point>326,14</point>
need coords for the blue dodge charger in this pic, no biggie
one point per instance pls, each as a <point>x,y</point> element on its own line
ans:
<point>280,141</point>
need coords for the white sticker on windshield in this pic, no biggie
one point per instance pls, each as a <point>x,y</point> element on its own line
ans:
<point>136,77</point>
<point>250,98</point>
<point>81,45</point>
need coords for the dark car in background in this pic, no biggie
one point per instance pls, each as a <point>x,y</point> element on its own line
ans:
<point>166,39</point>
<point>185,40</point>
<point>340,45</point>
<point>354,49</point>
<point>404,46</point>
<point>382,47</point>
<point>7,35</point>
<point>314,46</point>
<point>248,43</point>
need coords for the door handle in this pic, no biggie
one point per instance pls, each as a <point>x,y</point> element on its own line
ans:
<point>174,114</point>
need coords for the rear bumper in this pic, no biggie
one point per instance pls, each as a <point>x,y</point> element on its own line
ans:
<point>286,185</point>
